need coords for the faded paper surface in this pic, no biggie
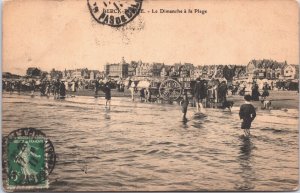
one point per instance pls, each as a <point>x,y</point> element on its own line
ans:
<point>55,34</point>
<point>144,146</point>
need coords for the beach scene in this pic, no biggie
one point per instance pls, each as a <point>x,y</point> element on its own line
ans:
<point>136,95</point>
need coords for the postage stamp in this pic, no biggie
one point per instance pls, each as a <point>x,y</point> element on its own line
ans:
<point>30,158</point>
<point>26,163</point>
<point>114,13</point>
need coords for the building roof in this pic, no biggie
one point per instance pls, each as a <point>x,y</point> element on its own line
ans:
<point>293,65</point>
<point>167,67</point>
<point>158,66</point>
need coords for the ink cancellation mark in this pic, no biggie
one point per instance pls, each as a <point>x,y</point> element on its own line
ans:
<point>30,158</point>
<point>114,13</point>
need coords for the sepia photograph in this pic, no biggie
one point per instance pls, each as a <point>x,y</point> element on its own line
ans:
<point>140,95</point>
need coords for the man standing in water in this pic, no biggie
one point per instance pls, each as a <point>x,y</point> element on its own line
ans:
<point>248,114</point>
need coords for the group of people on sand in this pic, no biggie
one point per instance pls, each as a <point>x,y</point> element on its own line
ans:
<point>255,94</point>
<point>209,93</point>
<point>247,111</point>
<point>205,94</point>
<point>57,88</point>
<point>18,85</point>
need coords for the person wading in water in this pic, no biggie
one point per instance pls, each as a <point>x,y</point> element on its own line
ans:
<point>199,94</point>
<point>247,114</point>
<point>107,91</point>
<point>184,103</point>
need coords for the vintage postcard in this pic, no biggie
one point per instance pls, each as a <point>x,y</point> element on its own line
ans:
<point>140,95</point>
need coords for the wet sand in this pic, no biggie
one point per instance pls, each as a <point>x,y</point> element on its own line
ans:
<point>279,99</point>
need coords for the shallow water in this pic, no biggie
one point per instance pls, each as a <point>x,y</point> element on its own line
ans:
<point>138,146</point>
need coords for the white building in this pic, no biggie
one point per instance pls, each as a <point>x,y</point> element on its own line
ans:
<point>76,74</point>
<point>291,71</point>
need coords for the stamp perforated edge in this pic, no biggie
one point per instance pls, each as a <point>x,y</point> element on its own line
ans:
<point>31,187</point>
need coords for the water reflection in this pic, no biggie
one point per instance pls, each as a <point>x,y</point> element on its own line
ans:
<point>141,147</point>
<point>107,114</point>
<point>245,160</point>
<point>184,124</point>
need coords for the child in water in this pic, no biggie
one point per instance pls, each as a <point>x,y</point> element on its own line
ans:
<point>248,114</point>
<point>184,103</point>
<point>107,91</point>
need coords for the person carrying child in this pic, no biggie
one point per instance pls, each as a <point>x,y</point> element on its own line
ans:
<point>248,114</point>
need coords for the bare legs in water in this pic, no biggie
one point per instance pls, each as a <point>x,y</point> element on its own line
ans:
<point>247,132</point>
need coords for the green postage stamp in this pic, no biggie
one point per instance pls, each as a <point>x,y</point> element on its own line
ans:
<point>26,163</point>
<point>29,158</point>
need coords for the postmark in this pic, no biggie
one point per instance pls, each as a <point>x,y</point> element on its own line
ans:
<point>114,13</point>
<point>29,157</point>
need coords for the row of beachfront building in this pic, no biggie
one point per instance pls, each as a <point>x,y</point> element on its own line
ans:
<point>261,69</point>
<point>269,69</point>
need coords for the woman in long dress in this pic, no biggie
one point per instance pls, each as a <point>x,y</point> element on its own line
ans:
<point>255,93</point>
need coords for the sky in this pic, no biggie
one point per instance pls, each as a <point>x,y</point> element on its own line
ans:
<point>62,34</point>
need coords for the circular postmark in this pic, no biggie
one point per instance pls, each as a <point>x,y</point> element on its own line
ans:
<point>114,13</point>
<point>29,157</point>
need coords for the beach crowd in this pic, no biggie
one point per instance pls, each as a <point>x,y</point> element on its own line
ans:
<point>201,93</point>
